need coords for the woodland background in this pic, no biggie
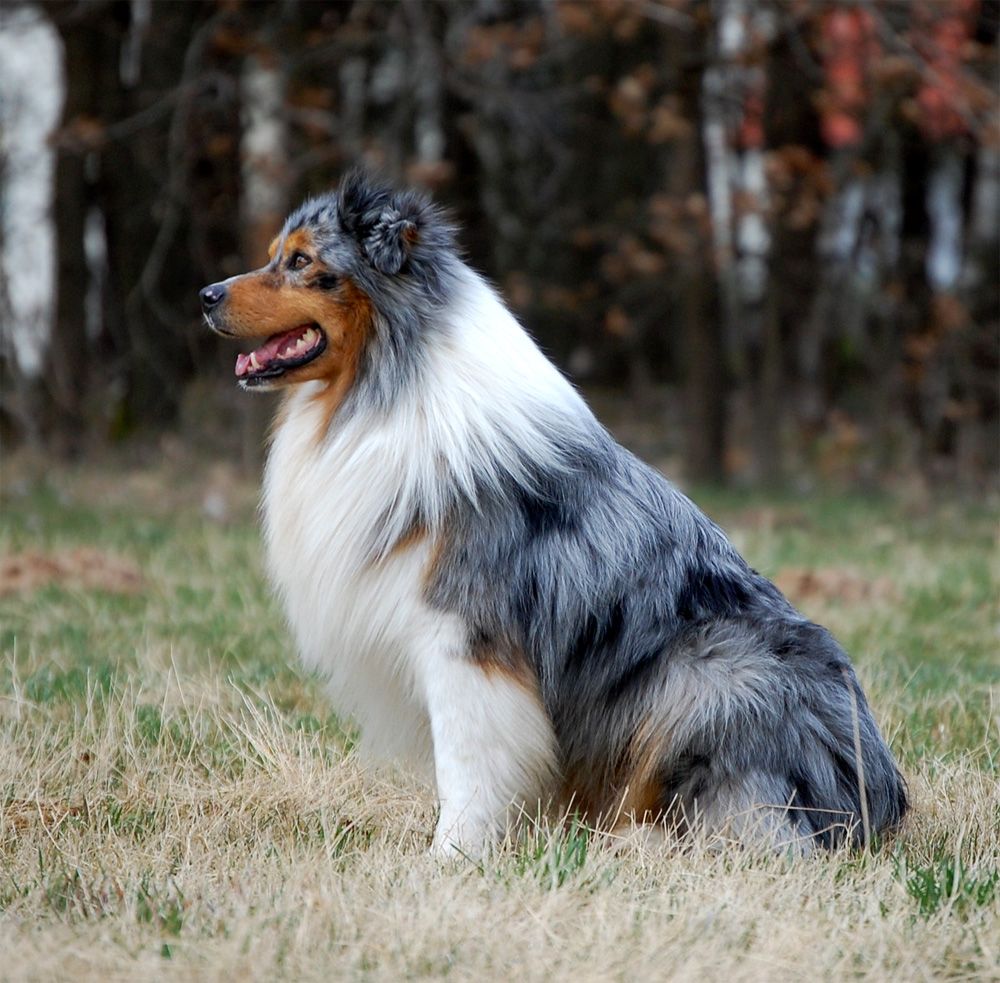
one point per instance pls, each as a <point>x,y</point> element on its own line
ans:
<point>766,231</point>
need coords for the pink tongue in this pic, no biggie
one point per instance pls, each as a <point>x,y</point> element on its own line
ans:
<point>268,351</point>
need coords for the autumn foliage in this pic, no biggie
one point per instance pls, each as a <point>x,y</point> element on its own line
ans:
<point>772,226</point>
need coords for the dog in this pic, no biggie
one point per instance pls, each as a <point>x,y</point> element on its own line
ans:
<point>497,591</point>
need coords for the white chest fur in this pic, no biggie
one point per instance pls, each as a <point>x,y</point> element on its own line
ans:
<point>356,622</point>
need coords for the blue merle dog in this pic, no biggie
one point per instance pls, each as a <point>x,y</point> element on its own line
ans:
<point>497,591</point>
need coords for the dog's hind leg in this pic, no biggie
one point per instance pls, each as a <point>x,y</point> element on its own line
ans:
<point>784,752</point>
<point>766,739</point>
<point>494,749</point>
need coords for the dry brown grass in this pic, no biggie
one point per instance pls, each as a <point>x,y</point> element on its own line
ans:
<point>272,856</point>
<point>178,803</point>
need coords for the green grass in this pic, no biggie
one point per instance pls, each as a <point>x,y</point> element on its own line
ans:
<point>947,883</point>
<point>177,792</point>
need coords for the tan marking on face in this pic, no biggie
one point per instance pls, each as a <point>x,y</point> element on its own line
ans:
<point>267,302</point>
<point>340,363</point>
<point>273,248</point>
<point>299,241</point>
<point>261,304</point>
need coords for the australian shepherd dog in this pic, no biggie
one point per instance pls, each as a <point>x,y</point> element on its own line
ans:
<point>498,592</point>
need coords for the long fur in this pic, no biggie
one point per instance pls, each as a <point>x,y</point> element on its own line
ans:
<point>504,596</point>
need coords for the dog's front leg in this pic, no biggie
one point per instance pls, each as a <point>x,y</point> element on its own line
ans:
<point>494,750</point>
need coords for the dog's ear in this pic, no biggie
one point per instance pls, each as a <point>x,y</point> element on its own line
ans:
<point>390,240</point>
<point>384,224</point>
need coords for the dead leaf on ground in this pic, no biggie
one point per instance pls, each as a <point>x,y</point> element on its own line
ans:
<point>83,568</point>
<point>834,584</point>
<point>22,813</point>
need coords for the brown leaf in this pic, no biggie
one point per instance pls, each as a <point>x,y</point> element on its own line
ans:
<point>83,568</point>
<point>839,584</point>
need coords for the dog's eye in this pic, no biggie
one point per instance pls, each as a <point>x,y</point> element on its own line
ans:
<point>299,261</point>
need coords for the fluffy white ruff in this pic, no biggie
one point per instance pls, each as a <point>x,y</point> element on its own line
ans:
<point>335,505</point>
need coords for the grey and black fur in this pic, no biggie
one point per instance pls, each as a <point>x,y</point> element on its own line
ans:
<point>626,600</point>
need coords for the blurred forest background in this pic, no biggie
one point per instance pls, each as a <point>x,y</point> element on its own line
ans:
<point>768,229</point>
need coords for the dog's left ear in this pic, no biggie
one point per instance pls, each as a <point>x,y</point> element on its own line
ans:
<point>384,223</point>
<point>390,240</point>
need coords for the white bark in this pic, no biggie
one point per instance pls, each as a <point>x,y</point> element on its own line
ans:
<point>753,238</point>
<point>95,248</point>
<point>131,56</point>
<point>718,164</point>
<point>428,72</point>
<point>719,87</point>
<point>265,136</point>
<point>944,209</point>
<point>839,232</point>
<point>31,83</point>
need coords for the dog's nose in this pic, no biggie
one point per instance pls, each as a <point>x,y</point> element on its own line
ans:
<point>211,295</point>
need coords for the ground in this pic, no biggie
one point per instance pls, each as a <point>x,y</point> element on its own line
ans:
<point>178,801</point>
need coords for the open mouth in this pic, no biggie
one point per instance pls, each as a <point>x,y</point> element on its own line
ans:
<point>280,353</point>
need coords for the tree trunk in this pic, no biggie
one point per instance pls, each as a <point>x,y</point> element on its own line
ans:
<point>148,202</point>
<point>265,198</point>
<point>705,387</point>
<point>84,50</point>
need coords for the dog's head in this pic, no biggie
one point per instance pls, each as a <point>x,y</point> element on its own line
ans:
<point>340,269</point>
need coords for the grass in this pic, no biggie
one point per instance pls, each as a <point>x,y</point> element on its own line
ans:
<point>178,801</point>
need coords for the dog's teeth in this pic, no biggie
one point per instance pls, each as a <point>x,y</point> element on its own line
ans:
<point>309,335</point>
<point>253,361</point>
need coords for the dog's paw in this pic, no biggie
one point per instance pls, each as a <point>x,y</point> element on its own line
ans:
<point>447,846</point>
<point>449,850</point>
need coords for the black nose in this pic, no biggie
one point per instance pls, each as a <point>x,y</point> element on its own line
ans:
<point>211,295</point>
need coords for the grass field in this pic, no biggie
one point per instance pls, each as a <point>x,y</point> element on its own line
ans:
<point>177,800</point>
